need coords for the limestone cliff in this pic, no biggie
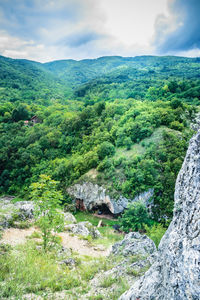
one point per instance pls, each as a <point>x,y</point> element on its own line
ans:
<point>94,196</point>
<point>175,273</point>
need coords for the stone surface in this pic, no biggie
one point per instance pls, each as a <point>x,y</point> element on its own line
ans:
<point>175,274</point>
<point>94,196</point>
<point>69,218</point>
<point>84,229</point>
<point>130,258</point>
<point>25,208</point>
<point>68,262</point>
<point>10,211</point>
<point>134,244</point>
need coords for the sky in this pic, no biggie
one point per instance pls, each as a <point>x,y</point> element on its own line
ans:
<point>46,30</point>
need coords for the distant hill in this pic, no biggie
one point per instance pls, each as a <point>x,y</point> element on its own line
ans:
<point>70,79</point>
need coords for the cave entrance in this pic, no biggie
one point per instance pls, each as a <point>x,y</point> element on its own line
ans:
<point>80,204</point>
<point>102,210</point>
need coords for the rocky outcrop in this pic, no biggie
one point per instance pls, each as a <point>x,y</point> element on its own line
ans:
<point>84,229</point>
<point>10,211</point>
<point>94,196</point>
<point>175,274</point>
<point>130,258</point>
<point>134,244</point>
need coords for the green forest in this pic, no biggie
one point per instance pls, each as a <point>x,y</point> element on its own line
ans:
<point>127,120</point>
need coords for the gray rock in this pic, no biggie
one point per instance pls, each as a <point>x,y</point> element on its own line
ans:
<point>83,228</point>
<point>69,218</point>
<point>94,196</point>
<point>68,262</point>
<point>175,274</point>
<point>25,208</point>
<point>134,244</point>
<point>9,211</point>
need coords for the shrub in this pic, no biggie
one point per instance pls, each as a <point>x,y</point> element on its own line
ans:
<point>176,125</point>
<point>155,232</point>
<point>134,218</point>
<point>105,149</point>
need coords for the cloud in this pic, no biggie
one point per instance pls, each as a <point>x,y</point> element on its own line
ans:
<point>179,31</point>
<point>45,30</point>
<point>55,28</point>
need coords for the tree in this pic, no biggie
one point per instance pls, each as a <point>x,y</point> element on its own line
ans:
<point>20,113</point>
<point>134,217</point>
<point>105,149</point>
<point>47,203</point>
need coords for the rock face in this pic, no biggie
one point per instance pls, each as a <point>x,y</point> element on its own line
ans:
<point>135,252</point>
<point>175,274</point>
<point>134,244</point>
<point>94,196</point>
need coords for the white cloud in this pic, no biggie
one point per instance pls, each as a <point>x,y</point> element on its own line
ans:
<point>45,30</point>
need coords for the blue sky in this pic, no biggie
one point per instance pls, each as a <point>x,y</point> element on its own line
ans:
<point>45,30</point>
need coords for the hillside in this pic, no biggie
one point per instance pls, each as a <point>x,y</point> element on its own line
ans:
<point>94,79</point>
<point>127,120</point>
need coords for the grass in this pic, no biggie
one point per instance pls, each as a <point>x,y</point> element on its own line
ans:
<point>28,269</point>
<point>109,236</point>
<point>139,148</point>
<point>121,286</point>
<point>108,281</point>
<point>86,216</point>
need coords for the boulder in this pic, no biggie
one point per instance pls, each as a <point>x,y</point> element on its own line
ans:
<point>25,209</point>
<point>94,196</point>
<point>10,212</point>
<point>69,218</point>
<point>175,273</point>
<point>83,228</point>
<point>134,244</point>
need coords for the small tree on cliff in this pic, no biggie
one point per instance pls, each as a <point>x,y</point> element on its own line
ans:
<point>47,201</point>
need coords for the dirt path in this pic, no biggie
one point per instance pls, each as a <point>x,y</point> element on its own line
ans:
<point>15,236</point>
<point>82,246</point>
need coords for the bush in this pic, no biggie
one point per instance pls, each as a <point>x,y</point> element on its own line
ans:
<point>134,218</point>
<point>155,232</point>
<point>176,125</point>
<point>105,149</point>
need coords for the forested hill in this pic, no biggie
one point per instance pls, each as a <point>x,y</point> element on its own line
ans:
<point>123,123</point>
<point>111,77</point>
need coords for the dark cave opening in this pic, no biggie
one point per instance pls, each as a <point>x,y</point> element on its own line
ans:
<point>102,210</point>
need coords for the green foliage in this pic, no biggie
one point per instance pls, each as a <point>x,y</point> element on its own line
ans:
<point>134,217</point>
<point>30,271</point>
<point>155,232</point>
<point>105,149</point>
<point>47,203</point>
<point>105,129</point>
<point>107,281</point>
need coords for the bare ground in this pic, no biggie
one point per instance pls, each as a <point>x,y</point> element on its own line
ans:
<point>15,236</point>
